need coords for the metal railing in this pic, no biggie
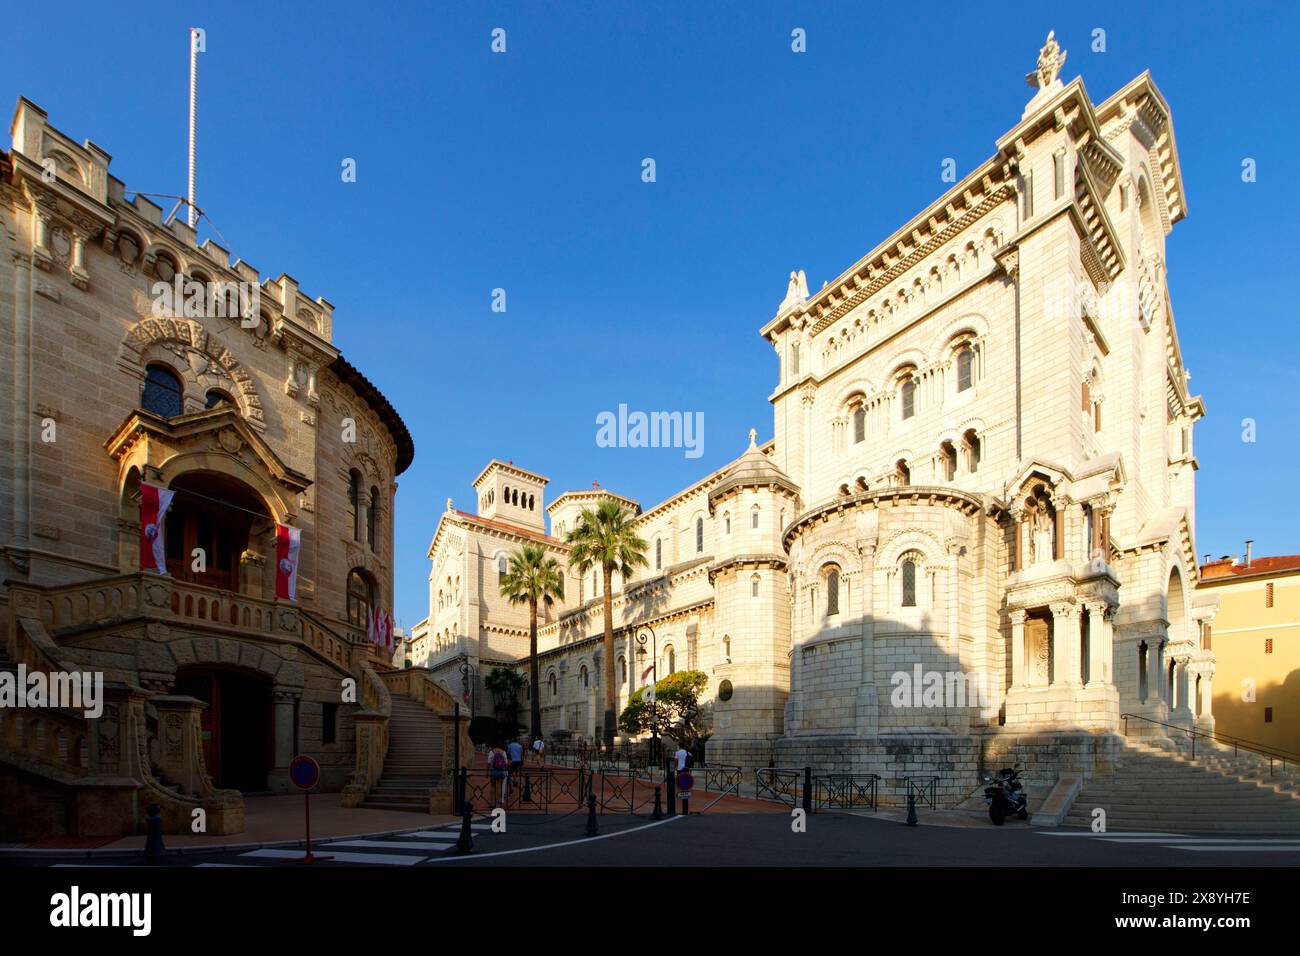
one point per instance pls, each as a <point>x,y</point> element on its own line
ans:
<point>1238,743</point>
<point>825,791</point>
<point>922,788</point>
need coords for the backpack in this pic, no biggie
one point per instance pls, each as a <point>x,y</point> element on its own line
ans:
<point>498,760</point>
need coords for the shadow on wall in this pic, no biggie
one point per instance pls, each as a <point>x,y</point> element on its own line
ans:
<point>1236,716</point>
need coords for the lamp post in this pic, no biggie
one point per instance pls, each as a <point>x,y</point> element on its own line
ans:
<point>466,668</point>
<point>654,702</point>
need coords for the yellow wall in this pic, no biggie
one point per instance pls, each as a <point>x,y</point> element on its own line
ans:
<point>1239,631</point>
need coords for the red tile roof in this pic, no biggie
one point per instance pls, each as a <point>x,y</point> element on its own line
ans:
<point>516,529</point>
<point>1279,564</point>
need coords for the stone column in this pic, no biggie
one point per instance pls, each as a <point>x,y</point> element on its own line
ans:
<point>1155,669</point>
<point>1098,637</point>
<point>283,700</point>
<point>1066,649</point>
<point>1018,648</point>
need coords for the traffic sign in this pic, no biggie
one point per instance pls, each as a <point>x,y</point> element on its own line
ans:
<point>684,782</point>
<point>304,772</point>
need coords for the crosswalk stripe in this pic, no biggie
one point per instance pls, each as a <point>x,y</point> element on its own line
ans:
<point>393,844</point>
<point>385,859</point>
<point>1089,833</point>
<point>226,866</point>
<point>1172,841</point>
<point>1263,848</point>
<point>434,835</point>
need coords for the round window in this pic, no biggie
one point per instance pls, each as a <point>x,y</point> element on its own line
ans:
<point>725,690</point>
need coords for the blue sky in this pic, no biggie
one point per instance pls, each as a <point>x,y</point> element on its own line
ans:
<point>521,171</point>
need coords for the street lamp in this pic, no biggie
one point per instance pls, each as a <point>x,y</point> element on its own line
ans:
<point>654,700</point>
<point>466,668</point>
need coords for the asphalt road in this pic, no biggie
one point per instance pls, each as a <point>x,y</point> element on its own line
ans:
<point>759,840</point>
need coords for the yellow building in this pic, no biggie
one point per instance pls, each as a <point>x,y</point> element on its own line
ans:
<point>1256,639</point>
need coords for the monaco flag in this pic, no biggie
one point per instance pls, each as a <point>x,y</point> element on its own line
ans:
<point>380,628</point>
<point>286,561</point>
<point>154,502</point>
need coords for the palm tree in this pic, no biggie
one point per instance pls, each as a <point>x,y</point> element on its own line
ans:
<point>532,577</point>
<point>606,538</point>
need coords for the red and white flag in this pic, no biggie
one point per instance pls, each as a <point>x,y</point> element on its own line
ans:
<point>287,542</point>
<point>154,502</point>
<point>646,673</point>
<point>379,628</point>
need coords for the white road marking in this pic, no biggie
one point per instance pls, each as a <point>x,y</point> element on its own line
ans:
<point>392,844</point>
<point>553,846</point>
<point>1118,833</point>
<point>434,835</point>
<point>1261,848</point>
<point>384,859</point>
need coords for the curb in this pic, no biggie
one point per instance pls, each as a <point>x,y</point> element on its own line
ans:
<point>28,852</point>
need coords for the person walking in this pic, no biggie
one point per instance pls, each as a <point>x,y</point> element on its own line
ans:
<point>515,751</point>
<point>498,764</point>
<point>539,751</point>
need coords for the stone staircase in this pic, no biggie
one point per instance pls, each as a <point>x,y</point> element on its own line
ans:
<point>414,759</point>
<point>1158,786</point>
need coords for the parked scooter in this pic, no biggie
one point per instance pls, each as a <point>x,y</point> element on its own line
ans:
<point>1005,795</point>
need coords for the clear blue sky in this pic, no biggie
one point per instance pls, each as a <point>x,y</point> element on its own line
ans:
<point>522,171</point>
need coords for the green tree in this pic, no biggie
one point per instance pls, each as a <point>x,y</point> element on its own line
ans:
<point>533,578</point>
<point>504,683</point>
<point>605,537</point>
<point>676,706</point>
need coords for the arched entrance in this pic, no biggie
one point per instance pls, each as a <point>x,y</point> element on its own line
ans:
<point>222,517</point>
<point>236,724</point>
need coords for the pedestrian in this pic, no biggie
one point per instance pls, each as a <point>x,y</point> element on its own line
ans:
<point>516,754</point>
<point>539,751</point>
<point>498,762</point>
<point>682,757</point>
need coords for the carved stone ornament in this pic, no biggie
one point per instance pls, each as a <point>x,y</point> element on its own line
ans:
<point>1050,60</point>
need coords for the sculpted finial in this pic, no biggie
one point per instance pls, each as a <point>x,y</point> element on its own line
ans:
<point>449,507</point>
<point>753,438</point>
<point>1050,60</point>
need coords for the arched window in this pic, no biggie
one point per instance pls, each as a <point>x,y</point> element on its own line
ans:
<point>965,368</point>
<point>699,535</point>
<point>552,684</point>
<point>832,592</point>
<point>908,395</point>
<point>217,397</point>
<point>726,648</point>
<point>584,677</point>
<point>753,517</point>
<point>909,583</point>
<point>670,657</point>
<point>971,442</point>
<point>371,513</point>
<point>501,567</point>
<point>753,586</point>
<point>659,553</point>
<point>162,391</point>
<point>354,503</point>
<point>902,473</point>
<point>530,503</point>
<point>726,522</point>
<point>859,423</point>
<point>622,669</point>
<point>361,598</point>
<point>948,460</point>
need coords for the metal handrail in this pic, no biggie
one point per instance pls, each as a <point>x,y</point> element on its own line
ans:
<point>1238,743</point>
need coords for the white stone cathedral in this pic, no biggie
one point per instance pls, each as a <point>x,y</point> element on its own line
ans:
<point>971,536</point>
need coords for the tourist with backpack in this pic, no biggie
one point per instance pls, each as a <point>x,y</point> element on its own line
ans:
<point>498,765</point>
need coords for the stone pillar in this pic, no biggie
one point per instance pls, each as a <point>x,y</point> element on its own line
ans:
<point>1018,648</point>
<point>1066,649</point>
<point>180,751</point>
<point>1099,641</point>
<point>283,701</point>
<point>1155,670</point>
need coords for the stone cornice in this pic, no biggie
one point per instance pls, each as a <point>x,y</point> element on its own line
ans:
<point>965,502</point>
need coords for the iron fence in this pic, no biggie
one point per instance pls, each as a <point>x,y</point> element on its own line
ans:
<point>845,791</point>
<point>781,784</point>
<point>923,788</point>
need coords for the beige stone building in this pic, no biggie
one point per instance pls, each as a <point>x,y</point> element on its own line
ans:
<point>233,396</point>
<point>981,468</point>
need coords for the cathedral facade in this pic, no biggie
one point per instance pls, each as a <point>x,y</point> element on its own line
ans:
<point>971,535</point>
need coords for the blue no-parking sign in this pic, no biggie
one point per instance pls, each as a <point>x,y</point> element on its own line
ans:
<point>304,772</point>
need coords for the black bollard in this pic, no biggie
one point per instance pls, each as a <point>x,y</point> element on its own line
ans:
<point>807,790</point>
<point>592,829</point>
<point>527,795</point>
<point>154,851</point>
<point>911,808</point>
<point>466,842</point>
<point>659,810</point>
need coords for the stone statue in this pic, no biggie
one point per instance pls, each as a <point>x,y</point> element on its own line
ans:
<point>1050,60</point>
<point>796,291</point>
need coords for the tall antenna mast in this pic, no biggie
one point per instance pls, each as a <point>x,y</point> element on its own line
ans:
<point>195,43</point>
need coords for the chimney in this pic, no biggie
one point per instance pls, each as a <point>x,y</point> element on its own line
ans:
<point>1249,542</point>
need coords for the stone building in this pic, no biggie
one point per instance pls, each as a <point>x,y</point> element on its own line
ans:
<point>135,355</point>
<point>1254,629</point>
<point>981,480</point>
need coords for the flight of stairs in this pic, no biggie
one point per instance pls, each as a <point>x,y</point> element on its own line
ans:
<point>1157,786</point>
<point>414,759</point>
